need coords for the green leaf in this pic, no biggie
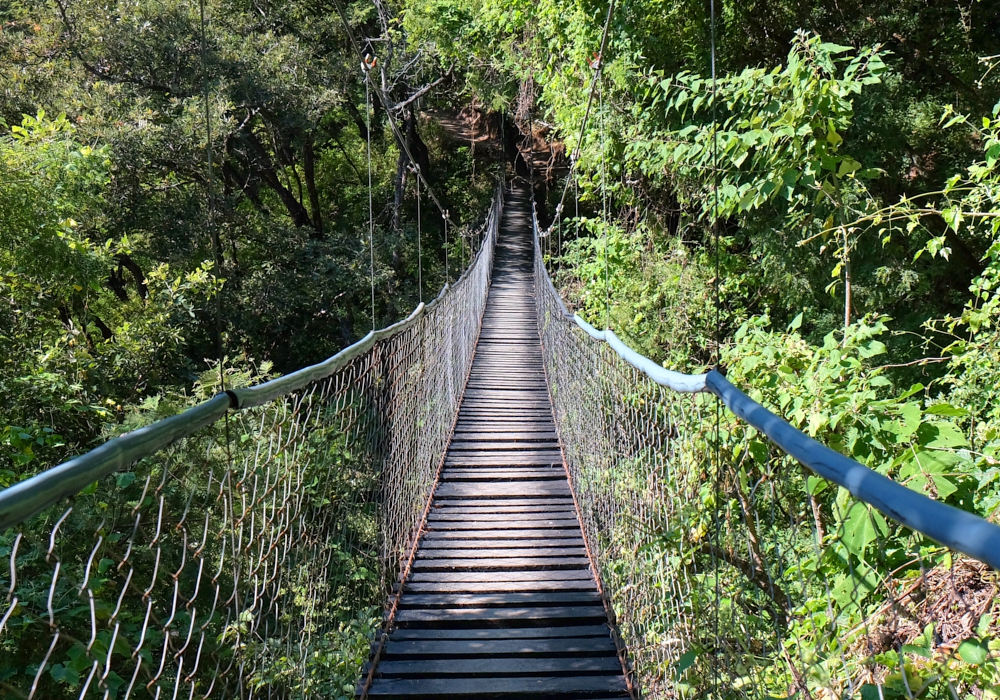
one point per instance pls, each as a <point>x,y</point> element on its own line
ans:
<point>940,435</point>
<point>973,651</point>
<point>124,479</point>
<point>909,414</point>
<point>848,166</point>
<point>759,451</point>
<point>946,409</point>
<point>834,48</point>
<point>861,527</point>
<point>932,466</point>
<point>686,661</point>
<point>796,322</point>
<point>920,651</point>
<point>953,217</point>
<point>816,485</point>
<point>911,391</point>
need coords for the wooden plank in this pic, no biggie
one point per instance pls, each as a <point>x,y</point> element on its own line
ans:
<point>538,543</point>
<point>512,534</point>
<point>526,437</point>
<point>503,633</point>
<point>524,488</point>
<point>487,446</point>
<point>498,599</point>
<point>462,444</point>
<point>501,512</point>
<point>522,517</point>
<point>534,455</point>
<point>531,687</point>
<point>506,503</point>
<point>507,424</point>
<point>493,449</point>
<point>586,584</point>
<point>500,576</point>
<point>562,646</point>
<point>478,524</point>
<point>501,553</point>
<point>472,668</point>
<point>521,563</point>
<point>504,472</point>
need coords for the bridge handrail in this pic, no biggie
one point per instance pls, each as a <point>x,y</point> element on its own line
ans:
<point>29,497</point>
<point>952,527</point>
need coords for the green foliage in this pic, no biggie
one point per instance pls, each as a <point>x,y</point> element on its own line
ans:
<point>203,185</point>
<point>779,132</point>
<point>851,185</point>
<point>649,277</point>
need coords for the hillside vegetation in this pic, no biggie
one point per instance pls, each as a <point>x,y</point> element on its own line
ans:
<point>184,196</point>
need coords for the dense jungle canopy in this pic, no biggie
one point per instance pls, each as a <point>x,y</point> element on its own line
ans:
<point>185,184</point>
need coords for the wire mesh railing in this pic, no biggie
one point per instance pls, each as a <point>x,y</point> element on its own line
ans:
<point>239,553</point>
<point>735,572</point>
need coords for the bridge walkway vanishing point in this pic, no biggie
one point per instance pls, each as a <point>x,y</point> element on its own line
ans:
<point>501,601</point>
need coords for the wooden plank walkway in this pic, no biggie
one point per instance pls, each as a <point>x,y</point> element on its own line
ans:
<point>501,601</point>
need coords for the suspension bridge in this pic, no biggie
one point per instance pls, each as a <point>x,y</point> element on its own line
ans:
<point>539,511</point>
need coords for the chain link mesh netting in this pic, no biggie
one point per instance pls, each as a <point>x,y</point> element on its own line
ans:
<point>737,573</point>
<point>251,558</point>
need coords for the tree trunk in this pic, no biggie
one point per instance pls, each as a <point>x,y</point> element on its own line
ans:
<point>265,168</point>
<point>309,164</point>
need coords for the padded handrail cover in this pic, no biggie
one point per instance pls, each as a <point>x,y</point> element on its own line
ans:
<point>251,396</point>
<point>678,381</point>
<point>31,496</point>
<point>26,498</point>
<point>956,529</point>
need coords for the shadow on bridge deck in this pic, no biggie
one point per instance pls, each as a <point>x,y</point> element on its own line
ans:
<point>501,601</point>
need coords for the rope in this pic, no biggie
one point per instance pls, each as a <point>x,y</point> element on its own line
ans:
<point>598,66</point>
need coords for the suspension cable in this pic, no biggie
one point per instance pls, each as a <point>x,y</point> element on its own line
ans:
<point>717,487</point>
<point>604,215</point>
<point>213,232</point>
<point>388,111</point>
<point>576,201</point>
<point>366,66</point>
<point>420,259</point>
<point>598,66</point>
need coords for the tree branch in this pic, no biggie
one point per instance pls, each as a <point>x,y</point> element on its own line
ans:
<point>756,576</point>
<point>97,72</point>
<point>424,90</point>
<point>266,170</point>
